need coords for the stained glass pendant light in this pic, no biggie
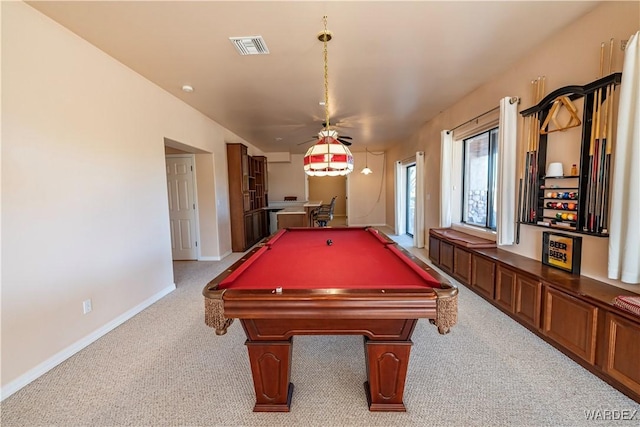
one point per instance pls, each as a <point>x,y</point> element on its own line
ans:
<point>328,156</point>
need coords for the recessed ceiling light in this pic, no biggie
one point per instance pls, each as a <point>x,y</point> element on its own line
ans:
<point>322,103</point>
<point>187,88</point>
<point>278,138</point>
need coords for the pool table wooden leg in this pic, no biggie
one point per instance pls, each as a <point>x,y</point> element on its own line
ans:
<point>387,363</point>
<point>271,370</point>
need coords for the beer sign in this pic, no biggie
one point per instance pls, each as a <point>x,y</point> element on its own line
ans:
<point>562,251</point>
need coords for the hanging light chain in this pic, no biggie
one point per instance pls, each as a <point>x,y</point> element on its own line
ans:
<point>325,40</point>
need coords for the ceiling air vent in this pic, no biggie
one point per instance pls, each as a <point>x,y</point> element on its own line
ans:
<point>253,45</point>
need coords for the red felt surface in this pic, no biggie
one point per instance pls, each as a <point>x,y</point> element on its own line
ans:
<point>301,259</point>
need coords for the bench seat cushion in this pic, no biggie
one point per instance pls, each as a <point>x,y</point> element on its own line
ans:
<point>461,239</point>
<point>630,304</point>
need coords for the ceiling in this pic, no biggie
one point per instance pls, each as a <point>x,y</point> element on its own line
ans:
<point>392,65</point>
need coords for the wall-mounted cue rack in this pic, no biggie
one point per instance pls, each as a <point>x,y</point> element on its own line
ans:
<point>575,203</point>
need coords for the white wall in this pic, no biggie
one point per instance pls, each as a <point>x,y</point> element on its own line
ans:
<point>84,199</point>
<point>570,57</point>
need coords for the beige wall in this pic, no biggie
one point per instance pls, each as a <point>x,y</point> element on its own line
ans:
<point>84,198</point>
<point>208,212</point>
<point>570,57</point>
<point>366,194</point>
<point>286,178</point>
<point>324,188</point>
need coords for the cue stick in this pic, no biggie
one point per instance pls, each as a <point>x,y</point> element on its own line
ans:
<point>601,154</point>
<point>596,157</point>
<point>589,203</point>
<point>594,181</point>
<point>532,130</point>
<point>535,187</point>
<point>525,213</point>
<point>609,135</point>
<point>522,168</point>
<point>518,211</point>
<point>587,198</point>
<point>527,166</point>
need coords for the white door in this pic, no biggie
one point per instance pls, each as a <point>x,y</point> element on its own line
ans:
<point>182,207</point>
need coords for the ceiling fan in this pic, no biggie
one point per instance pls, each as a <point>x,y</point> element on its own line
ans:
<point>343,139</point>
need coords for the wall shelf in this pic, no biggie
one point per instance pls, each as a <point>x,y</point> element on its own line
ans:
<point>592,195</point>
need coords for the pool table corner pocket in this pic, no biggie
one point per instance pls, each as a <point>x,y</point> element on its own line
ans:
<point>446,309</point>
<point>214,311</point>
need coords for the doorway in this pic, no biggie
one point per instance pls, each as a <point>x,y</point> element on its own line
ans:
<point>406,174</point>
<point>325,188</point>
<point>182,206</point>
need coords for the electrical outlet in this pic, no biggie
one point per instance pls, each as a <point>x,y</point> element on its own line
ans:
<point>86,306</point>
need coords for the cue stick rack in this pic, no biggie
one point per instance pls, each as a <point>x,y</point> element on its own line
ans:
<point>544,205</point>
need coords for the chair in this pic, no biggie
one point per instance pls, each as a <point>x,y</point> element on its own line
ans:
<point>324,213</point>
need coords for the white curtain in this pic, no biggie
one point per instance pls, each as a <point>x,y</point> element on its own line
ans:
<point>624,229</point>
<point>446,169</point>
<point>506,192</point>
<point>399,199</point>
<point>419,230</point>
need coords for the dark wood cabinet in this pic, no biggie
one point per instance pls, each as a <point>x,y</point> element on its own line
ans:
<point>434,249</point>
<point>571,322</point>
<point>248,186</point>
<point>574,313</point>
<point>519,294</point>
<point>505,288</point>
<point>446,256</point>
<point>622,360</point>
<point>527,300</point>
<point>483,276</point>
<point>462,265</point>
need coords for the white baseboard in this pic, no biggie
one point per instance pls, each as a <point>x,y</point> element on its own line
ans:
<point>215,258</point>
<point>63,355</point>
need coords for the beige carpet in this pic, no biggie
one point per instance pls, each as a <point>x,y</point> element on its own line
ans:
<point>165,367</point>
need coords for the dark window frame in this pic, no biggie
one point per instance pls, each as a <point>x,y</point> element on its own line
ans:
<point>490,222</point>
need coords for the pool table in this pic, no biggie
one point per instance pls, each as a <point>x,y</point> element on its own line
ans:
<point>329,281</point>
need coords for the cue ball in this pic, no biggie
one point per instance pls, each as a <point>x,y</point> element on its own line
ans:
<point>329,242</point>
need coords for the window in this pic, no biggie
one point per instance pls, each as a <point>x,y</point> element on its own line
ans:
<point>479,179</point>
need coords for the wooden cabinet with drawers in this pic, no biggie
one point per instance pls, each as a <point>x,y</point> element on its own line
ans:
<point>576,314</point>
<point>434,250</point>
<point>622,349</point>
<point>570,322</point>
<point>505,288</point>
<point>483,276</point>
<point>446,256</point>
<point>248,186</point>
<point>528,297</point>
<point>519,294</point>
<point>462,265</point>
